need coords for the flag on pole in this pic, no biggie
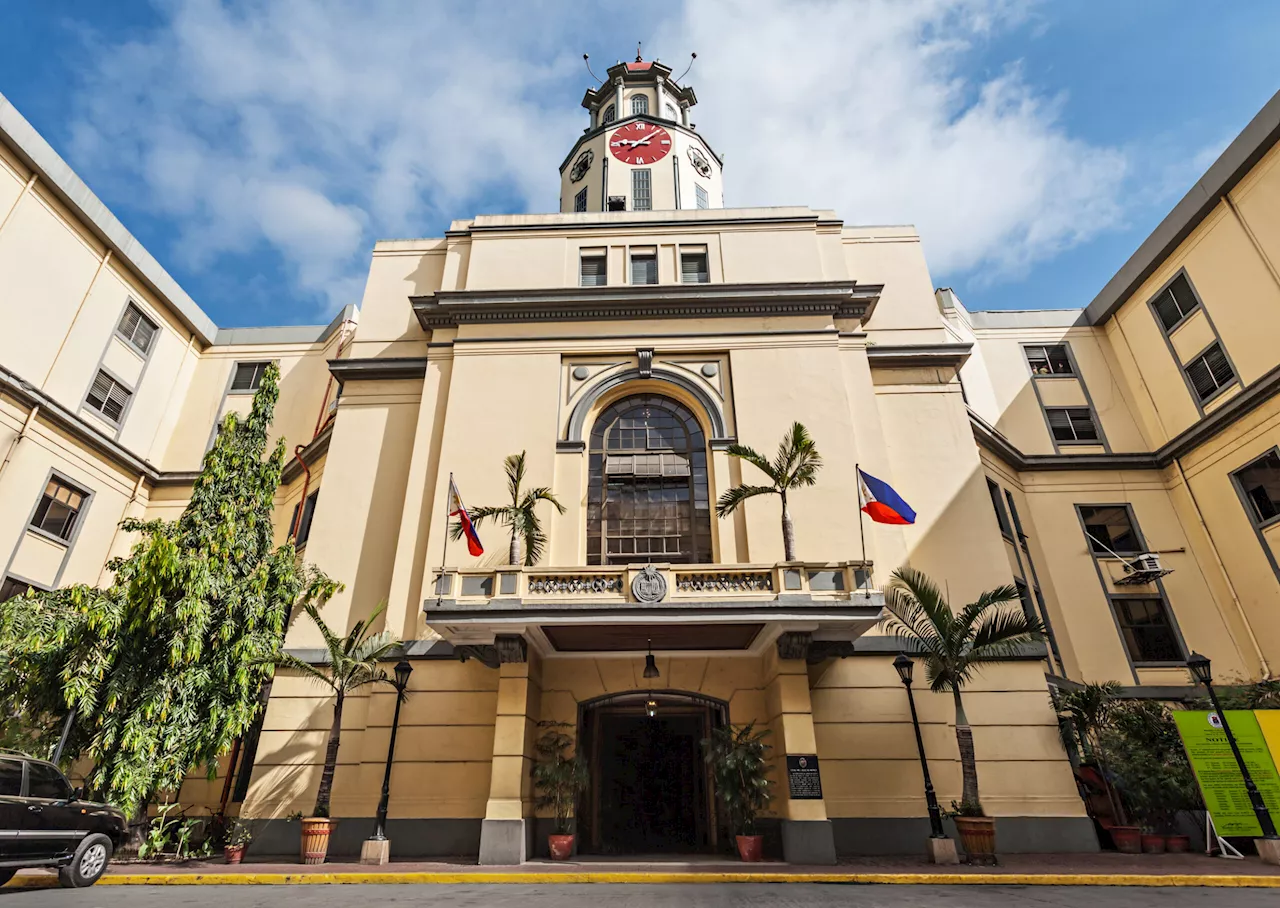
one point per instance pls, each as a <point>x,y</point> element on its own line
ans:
<point>881,503</point>
<point>457,509</point>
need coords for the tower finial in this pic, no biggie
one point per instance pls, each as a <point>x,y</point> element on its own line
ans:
<point>639,59</point>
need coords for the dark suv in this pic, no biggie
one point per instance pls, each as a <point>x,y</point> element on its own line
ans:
<point>45,823</point>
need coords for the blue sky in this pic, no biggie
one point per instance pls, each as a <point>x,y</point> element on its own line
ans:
<point>258,149</point>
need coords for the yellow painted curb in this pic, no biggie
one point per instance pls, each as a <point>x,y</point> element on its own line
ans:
<point>481,877</point>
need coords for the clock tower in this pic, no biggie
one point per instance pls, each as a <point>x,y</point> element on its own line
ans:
<point>640,152</point>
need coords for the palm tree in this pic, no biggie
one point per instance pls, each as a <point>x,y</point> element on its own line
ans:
<point>520,515</point>
<point>796,464</point>
<point>1087,711</point>
<point>351,663</point>
<point>955,646</point>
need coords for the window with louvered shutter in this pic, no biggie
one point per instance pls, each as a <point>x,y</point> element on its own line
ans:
<point>592,271</point>
<point>700,192</point>
<point>641,190</point>
<point>644,269</point>
<point>1072,424</point>
<point>1210,372</point>
<point>136,328</point>
<point>248,377</point>
<point>1175,303</point>
<point>639,105</point>
<point>108,397</point>
<point>693,268</point>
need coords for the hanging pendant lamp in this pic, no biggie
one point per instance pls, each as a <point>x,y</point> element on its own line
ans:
<point>650,666</point>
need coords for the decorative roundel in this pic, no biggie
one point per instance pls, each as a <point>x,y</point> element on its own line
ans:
<point>640,142</point>
<point>699,162</point>
<point>582,165</point>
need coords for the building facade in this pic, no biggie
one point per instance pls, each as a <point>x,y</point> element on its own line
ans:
<point>1119,462</point>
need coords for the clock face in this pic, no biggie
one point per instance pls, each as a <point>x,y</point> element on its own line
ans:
<point>640,143</point>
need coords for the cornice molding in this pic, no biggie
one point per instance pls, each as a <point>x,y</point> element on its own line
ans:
<point>838,299</point>
<point>311,453</point>
<point>378,368</point>
<point>946,355</point>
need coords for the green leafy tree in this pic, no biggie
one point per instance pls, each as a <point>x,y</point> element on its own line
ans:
<point>954,646</point>
<point>739,759</point>
<point>351,662</point>
<point>794,466</point>
<point>1087,711</point>
<point>520,515</point>
<point>1151,767</point>
<point>559,776</point>
<point>162,669</point>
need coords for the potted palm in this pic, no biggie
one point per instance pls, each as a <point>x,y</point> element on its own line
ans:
<point>350,663</point>
<point>954,645</point>
<point>739,764</point>
<point>795,465</point>
<point>520,515</point>
<point>559,777</point>
<point>238,836</point>
<point>1088,712</point>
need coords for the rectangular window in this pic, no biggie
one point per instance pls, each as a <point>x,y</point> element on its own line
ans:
<point>1260,482</point>
<point>1110,530</point>
<point>308,513</point>
<point>1002,519</point>
<point>137,329</point>
<point>12,587</point>
<point>580,200</point>
<point>644,268</point>
<point>108,397</point>
<point>1072,425</point>
<point>1049,360</point>
<point>1210,372</point>
<point>593,270</point>
<point>700,193</point>
<point>693,268</point>
<point>59,509</point>
<point>248,377</point>
<point>1146,630</point>
<point>641,190</point>
<point>1013,514</point>
<point>1175,303</point>
<point>1024,596</point>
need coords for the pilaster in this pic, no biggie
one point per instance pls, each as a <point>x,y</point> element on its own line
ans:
<point>506,836</point>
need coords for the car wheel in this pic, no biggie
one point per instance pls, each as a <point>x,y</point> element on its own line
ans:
<point>6,874</point>
<point>88,863</point>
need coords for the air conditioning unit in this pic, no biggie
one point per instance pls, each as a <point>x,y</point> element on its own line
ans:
<point>1145,568</point>
<point>1147,561</point>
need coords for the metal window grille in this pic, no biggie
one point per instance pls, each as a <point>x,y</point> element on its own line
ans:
<point>1072,424</point>
<point>639,105</point>
<point>248,376</point>
<point>580,200</point>
<point>1260,482</point>
<point>700,193</point>
<point>644,269</point>
<point>1210,372</point>
<point>693,268</point>
<point>1175,302</point>
<point>1050,360</point>
<point>1146,630</point>
<point>592,271</point>
<point>59,508</point>
<point>136,328</point>
<point>108,397</point>
<point>641,190</point>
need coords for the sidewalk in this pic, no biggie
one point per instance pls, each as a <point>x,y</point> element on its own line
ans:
<point>1107,869</point>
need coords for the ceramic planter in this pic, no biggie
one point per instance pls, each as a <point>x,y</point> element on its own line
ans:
<point>315,839</point>
<point>1177,844</point>
<point>1152,844</point>
<point>233,854</point>
<point>1128,839</point>
<point>750,847</point>
<point>560,846</point>
<point>978,839</point>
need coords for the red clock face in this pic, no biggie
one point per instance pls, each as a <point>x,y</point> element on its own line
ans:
<point>640,143</point>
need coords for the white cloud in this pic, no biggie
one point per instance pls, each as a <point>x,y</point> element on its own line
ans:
<point>314,128</point>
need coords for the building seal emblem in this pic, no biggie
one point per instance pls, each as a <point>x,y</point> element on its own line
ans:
<point>649,585</point>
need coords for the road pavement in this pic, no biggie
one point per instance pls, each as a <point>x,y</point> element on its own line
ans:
<point>725,895</point>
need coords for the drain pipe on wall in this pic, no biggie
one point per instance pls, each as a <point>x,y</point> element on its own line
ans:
<point>22,433</point>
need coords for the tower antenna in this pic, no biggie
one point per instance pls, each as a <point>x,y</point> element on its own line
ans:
<point>692,57</point>
<point>586,58</point>
<point>639,59</point>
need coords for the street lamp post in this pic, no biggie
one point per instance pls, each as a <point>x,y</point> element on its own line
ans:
<point>941,849</point>
<point>377,848</point>
<point>1199,667</point>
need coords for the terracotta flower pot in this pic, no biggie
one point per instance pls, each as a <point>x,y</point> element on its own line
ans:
<point>750,847</point>
<point>1152,843</point>
<point>1128,839</point>
<point>233,854</point>
<point>315,839</point>
<point>1177,844</point>
<point>977,838</point>
<point>561,847</point>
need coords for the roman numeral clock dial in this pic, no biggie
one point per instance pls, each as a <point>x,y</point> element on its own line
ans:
<point>640,143</point>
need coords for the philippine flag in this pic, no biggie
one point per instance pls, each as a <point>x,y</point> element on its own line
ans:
<point>881,503</point>
<point>457,509</point>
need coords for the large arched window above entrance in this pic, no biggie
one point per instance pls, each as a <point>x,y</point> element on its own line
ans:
<point>648,498</point>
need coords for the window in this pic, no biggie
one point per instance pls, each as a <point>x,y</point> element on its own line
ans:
<point>137,329</point>
<point>617,203</point>
<point>1072,425</point>
<point>1013,514</point>
<point>59,509</point>
<point>1260,483</point>
<point>308,512</point>
<point>592,270</point>
<point>1051,360</point>
<point>1024,595</point>
<point>647,496</point>
<point>12,587</point>
<point>700,193</point>
<point>1002,519</point>
<point>639,105</point>
<point>1146,630</point>
<point>44,781</point>
<point>10,778</point>
<point>610,114</point>
<point>693,268</point>
<point>644,267</point>
<point>670,112</point>
<point>580,200</point>
<point>641,190</point>
<point>248,377</point>
<point>108,396</point>
<point>1110,530</point>
<point>1210,372</point>
<point>1175,303</point>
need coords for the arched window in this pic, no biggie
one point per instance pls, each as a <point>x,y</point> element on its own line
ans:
<point>610,114</point>
<point>639,105</point>
<point>648,499</point>
<point>671,112</point>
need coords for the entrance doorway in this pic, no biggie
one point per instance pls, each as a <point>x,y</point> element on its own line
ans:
<point>650,789</point>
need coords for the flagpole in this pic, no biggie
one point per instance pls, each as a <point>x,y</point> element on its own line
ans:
<point>862,528</point>
<point>444,549</point>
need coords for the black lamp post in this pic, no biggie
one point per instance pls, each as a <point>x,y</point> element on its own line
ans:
<point>1199,667</point>
<point>401,683</point>
<point>903,666</point>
